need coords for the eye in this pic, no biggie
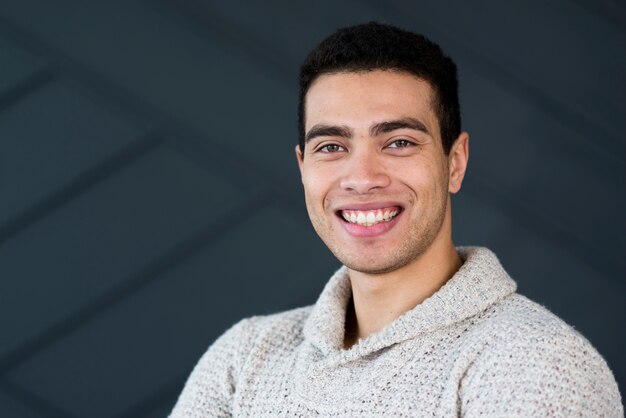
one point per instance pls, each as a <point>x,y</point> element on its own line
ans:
<point>400,143</point>
<point>330,148</point>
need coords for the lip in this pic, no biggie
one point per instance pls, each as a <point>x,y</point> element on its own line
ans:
<point>362,231</point>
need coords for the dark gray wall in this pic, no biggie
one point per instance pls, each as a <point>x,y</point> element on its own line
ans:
<point>150,197</point>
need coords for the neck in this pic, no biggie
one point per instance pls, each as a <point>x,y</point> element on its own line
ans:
<point>377,300</point>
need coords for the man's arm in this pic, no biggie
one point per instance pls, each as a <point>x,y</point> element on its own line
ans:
<point>211,385</point>
<point>541,375</point>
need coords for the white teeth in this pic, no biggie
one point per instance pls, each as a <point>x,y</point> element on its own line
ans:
<point>369,218</point>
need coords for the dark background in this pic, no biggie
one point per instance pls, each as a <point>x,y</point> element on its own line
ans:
<point>149,195</point>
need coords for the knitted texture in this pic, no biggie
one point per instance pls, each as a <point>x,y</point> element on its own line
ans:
<point>474,348</point>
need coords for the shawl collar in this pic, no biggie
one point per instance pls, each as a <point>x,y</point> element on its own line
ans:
<point>480,282</point>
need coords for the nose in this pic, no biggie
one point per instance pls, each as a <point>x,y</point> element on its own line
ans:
<point>364,173</point>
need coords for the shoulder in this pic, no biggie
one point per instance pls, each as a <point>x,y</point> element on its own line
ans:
<point>284,328</point>
<point>532,360</point>
<point>211,385</point>
<point>518,320</point>
<point>237,343</point>
<point>529,334</point>
<point>519,325</point>
<point>284,324</point>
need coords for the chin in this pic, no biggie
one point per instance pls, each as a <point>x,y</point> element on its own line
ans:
<point>373,271</point>
<point>394,258</point>
<point>374,267</point>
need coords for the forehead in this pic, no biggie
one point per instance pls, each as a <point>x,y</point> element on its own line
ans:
<point>355,98</point>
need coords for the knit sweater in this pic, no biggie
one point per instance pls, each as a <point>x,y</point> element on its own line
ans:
<point>474,348</point>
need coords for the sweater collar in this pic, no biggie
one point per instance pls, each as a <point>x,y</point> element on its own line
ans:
<point>480,282</point>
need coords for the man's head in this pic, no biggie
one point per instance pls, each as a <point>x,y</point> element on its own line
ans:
<point>373,46</point>
<point>376,171</point>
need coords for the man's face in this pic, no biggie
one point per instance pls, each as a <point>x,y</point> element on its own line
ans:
<point>375,176</point>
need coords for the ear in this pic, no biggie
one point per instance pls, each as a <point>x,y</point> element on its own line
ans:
<point>299,157</point>
<point>457,162</point>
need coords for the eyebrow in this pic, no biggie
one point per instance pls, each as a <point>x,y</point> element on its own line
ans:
<point>392,125</point>
<point>376,129</point>
<point>328,130</point>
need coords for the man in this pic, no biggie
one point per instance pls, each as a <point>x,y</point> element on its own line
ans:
<point>411,325</point>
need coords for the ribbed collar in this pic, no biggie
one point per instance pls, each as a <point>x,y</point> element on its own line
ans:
<point>480,282</point>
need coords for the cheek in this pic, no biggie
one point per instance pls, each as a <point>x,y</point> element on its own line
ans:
<point>313,193</point>
<point>423,177</point>
<point>317,184</point>
<point>414,172</point>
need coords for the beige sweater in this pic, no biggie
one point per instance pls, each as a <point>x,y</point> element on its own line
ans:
<point>474,348</point>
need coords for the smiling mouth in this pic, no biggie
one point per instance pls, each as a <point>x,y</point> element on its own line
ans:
<point>369,217</point>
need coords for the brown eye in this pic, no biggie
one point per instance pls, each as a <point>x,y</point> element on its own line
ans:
<point>400,143</point>
<point>331,148</point>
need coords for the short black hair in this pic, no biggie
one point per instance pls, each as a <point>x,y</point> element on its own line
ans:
<point>374,46</point>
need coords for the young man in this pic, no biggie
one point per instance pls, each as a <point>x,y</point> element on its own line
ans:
<point>411,325</point>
